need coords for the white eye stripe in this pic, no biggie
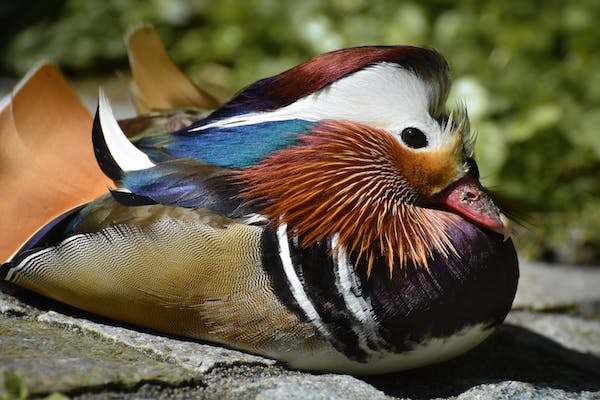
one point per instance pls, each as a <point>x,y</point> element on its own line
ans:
<point>383,96</point>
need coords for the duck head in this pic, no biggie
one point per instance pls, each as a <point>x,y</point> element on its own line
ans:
<point>382,166</point>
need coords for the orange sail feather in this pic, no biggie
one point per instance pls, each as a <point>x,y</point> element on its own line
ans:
<point>47,162</point>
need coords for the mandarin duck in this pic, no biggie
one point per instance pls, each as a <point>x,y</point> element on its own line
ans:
<point>330,217</point>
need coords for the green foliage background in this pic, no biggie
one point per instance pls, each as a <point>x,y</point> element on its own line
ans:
<point>529,72</point>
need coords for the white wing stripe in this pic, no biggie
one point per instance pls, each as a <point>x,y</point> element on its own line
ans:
<point>125,154</point>
<point>295,285</point>
<point>347,284</point>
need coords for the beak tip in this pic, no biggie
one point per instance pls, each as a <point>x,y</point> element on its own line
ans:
<point>468,199</point>
<point>507,224</point>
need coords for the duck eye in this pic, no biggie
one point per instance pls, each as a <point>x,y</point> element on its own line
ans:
<point>414,138</point>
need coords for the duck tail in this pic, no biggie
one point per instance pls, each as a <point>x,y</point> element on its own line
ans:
<point>158,83</point>
<point>47,163</point>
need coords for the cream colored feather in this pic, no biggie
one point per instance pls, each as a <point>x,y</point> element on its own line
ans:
<point>182,271</point>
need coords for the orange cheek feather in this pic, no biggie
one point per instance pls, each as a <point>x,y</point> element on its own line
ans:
<point>432,171</point>
<point>356,181</point>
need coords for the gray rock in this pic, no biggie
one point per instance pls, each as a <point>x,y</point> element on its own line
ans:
<point>254,382</point>
<point>51,358</point>
<point>266,383</point>
<point>522,391</point>
<point>571,332</point>
<point>536,355</point>
<point>544,287</point>
<point>195,357</point>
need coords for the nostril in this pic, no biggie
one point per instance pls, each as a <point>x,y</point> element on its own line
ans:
<point>470,196</point>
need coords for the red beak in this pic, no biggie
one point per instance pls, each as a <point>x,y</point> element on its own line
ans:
<point>466,197</point>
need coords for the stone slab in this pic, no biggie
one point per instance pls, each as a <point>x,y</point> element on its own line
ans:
<point>50,358</point>
<point>544,287</point>
<point>536,355</point>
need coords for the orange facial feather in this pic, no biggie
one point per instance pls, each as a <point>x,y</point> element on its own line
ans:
<point>360,183</point>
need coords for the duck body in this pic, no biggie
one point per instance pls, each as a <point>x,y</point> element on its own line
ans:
<point>278,249</point>
<point>249,286</point>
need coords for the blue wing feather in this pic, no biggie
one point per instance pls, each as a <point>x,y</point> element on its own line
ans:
<point>229,147</point>
<point>188,183</point>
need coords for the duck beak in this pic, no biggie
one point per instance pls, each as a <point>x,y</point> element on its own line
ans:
<point>467,198</point>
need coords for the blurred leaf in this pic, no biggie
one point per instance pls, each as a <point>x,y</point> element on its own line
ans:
<point>587,133</point>
<point>56,396</point>
<point>14,387</point>
<point>491,151</point>
<point>538,118</point>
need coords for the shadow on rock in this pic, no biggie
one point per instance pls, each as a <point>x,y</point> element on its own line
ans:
<point>511,354</point>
